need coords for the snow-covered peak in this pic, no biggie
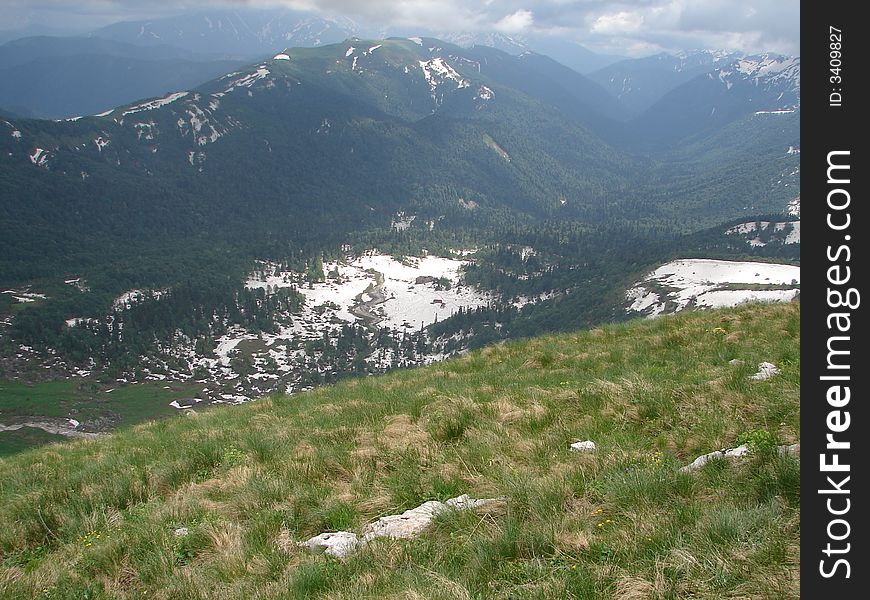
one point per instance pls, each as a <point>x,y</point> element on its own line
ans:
<point>766,69</point>
<point>776,79</point>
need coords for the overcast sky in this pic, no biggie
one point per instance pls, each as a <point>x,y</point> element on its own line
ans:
<point>629,28</point>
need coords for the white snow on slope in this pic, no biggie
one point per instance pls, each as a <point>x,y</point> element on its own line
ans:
<point>407,303</point>
<point>437,71</point>
<point>792,237</point>
<point>25,295</point>
<point>402,222</point>
<point>417,304</point>
<point>349,51</point>
<point>39,156</point>
<point>131,297</point>
<point>281,56</point>
<point>711,283</point>
<point>484,93</point>
<point>724,298</point>
<point>246,80</point>
<point>152,104</point>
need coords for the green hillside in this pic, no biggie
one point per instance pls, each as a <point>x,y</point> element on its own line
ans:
<point>99,518</point>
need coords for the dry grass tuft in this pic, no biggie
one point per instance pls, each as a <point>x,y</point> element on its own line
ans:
<point>634,588</point>
<point>401,432</point>
<point>572,541</point>
<point>304,451</point>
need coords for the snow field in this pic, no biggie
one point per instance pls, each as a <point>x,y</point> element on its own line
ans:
<point>711,284</point>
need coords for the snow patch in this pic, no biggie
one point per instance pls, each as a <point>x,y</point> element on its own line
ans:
<point>706,283</point>
<point>792,237</point>
<point>484,93</point>
<point>39,157</point>
<point>247,80</point>
<point>25,295</point>
<point>131,297</point>
<point>402,222</point>
<point>437,72</point>
<point>152,104</point>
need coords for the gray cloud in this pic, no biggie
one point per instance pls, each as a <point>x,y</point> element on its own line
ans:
<point>626,27</point>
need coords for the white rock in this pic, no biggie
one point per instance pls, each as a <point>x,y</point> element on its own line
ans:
<point>587,446</point>
<point>338,544</point>
<point>699,462</point>
<point>181,531</point>
<point>735,362</point>
<point>409,524</point>
<point>738,452</point>
<point>766,370</point>
<point>463,502</point>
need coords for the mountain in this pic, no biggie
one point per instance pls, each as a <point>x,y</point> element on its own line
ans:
<point>542,77</point>
<point>25,50</point>
<point>237,34</point>
<point>765,84</point>
<point>67,77</point>
<point>255,33</point>
<point>216,504</point>
<point>639,83</point>
<point>369,127</point>
<point>363,128</point>
<point>185,237</point>
<point>566,52</point>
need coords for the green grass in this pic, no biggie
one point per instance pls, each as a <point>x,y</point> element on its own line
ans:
<point>86,401</point>
<point>12,442</point>
<point>96,519</point>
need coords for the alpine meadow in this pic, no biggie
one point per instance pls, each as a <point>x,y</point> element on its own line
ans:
<point>336,305</point>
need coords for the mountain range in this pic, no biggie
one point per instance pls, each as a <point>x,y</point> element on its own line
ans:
<point>379,126</point>
<point>188,235</point>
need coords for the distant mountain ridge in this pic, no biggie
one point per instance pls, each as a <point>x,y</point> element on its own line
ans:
<point>47,77</point>
<point>736,87</point>
<point>238,34</point>
<point>639,82</point>
<point>375,126</point>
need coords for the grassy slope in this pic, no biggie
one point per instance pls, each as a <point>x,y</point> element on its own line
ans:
<point>85,400</point>
<point>99,516</point>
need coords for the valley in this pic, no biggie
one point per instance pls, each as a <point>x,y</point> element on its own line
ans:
<point>411,300</point>
<point>357,207</point>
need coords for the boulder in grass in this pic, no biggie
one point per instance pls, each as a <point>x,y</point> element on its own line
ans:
<point>585,446</point>
<point>338,544</point>
<point>409,524</point>
<point>766,370</point>
<point>738,452</point>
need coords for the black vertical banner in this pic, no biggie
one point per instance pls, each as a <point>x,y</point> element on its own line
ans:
<point>835,429</point>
